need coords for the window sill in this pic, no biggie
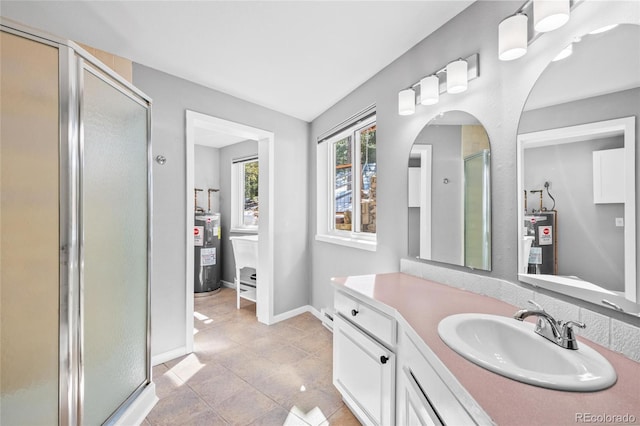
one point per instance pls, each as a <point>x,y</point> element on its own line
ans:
<point>244,230</point>
<point>359,243</point>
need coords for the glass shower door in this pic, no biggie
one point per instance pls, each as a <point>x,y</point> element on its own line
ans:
<point>477,211</point>
<point>114,263</point>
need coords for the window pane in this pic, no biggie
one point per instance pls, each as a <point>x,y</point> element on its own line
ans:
<point>368,179</point>
<point>342,178</point>
<point>250,206</point>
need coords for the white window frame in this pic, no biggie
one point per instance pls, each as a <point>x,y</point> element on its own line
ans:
<point>237,196</point>
<point>326,231</point>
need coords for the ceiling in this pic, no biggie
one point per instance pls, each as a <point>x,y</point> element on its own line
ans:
<point>295,57</point>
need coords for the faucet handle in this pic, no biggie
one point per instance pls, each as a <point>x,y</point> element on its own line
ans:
<point>570,324</point>
<point>568,337</point>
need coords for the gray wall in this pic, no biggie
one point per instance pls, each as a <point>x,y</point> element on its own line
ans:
<point>227,155</point>
<point>171,97</point>
<point>206,165</point>
<point>446,199</point>
<point>496,98</point>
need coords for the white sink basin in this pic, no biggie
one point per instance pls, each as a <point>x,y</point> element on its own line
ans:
<point>511,348</point>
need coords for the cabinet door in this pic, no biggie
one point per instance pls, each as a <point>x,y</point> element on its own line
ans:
<point>414,409</point>
<point>364,373</point>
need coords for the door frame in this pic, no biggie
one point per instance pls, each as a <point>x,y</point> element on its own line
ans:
<point>264,285</point>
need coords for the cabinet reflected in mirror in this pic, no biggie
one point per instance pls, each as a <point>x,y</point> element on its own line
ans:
<point>576,172</point>
<point>450,192</point>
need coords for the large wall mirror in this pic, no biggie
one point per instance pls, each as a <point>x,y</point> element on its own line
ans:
<point>577,171</point>
<point>450,192</point>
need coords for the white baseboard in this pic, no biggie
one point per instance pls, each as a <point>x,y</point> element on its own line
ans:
<point>294,312</point>
<point>140,408</point>
<point>168,356</point>
<point>227,284</point>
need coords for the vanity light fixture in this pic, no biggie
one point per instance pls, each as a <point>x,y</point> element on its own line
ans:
<point>453,78</point>
<point>513,37</point>
<point>430,90</point>
<point>549,15</point>
<point>515,34</point>
<point>457,76</point>
<point>406,102</point>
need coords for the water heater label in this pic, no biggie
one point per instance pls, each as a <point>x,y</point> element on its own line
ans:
<point>545,235</point>
<point>208,256</point>
<point>198,236</point>
<point>535,256</point>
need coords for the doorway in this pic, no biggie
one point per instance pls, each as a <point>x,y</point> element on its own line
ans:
<point>226,133</point>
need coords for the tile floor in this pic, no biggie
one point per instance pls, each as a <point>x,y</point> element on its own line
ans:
<point>243,372</point>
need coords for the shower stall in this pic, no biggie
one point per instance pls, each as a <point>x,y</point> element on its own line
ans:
<point>75,236</point>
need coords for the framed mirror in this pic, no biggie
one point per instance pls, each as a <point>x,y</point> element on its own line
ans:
<point>577,171</point>
<point>450,192</point>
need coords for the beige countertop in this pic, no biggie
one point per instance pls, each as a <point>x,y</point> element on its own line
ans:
<point>424,303</point>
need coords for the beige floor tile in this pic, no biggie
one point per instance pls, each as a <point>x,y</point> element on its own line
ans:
<point>204,419</point>
<point>273,350</point>
<point>277,416</point>
<point>280,387</point>
<point>166,383</point>
<point>244,407</point>
<point>343,417</point>
<point>244,372</point>
<point>315,341</point>
<point>178,408</point>
<point>312,399</point>
<point>222,387</point>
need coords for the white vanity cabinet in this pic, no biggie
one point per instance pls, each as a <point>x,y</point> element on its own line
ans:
<point>388,375</point>
<point>427,392</point>
<point>364,363</point>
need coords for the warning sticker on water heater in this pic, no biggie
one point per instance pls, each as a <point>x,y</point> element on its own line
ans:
<point>545,235</point>
<point>208,256</point>
<point>198,236</point>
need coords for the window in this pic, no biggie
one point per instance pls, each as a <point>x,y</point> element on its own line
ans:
<point>244,195</point>
<point>348,185</point>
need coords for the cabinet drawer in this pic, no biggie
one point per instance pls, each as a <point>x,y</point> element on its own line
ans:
<point>364,374</point>
<point>376,323</point>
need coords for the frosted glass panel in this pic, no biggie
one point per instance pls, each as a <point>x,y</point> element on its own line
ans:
<point>29,241</point>
<point>477,248</point>
<point>114,214</point>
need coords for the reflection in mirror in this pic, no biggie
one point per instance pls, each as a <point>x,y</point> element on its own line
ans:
<point>450,192</point>
<point>576,172</point>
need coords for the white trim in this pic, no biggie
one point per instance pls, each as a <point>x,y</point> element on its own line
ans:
<point>172,354</point>
<point>140,408</point>
<point>237,195</point>
<point>621,126</point>
<point>266,141</point>
<point>295,312</point>
<point>325,231</point>
<point>359,243</point>
<point>426,157</point>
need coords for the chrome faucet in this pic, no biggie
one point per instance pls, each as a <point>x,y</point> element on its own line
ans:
<point>559,332</point>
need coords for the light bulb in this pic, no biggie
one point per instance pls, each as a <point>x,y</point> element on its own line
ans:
<point>406,102</point>
<point>512,37</point>
<point>549,15</point>
<point>430,90</point>
<point>457,76</point>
